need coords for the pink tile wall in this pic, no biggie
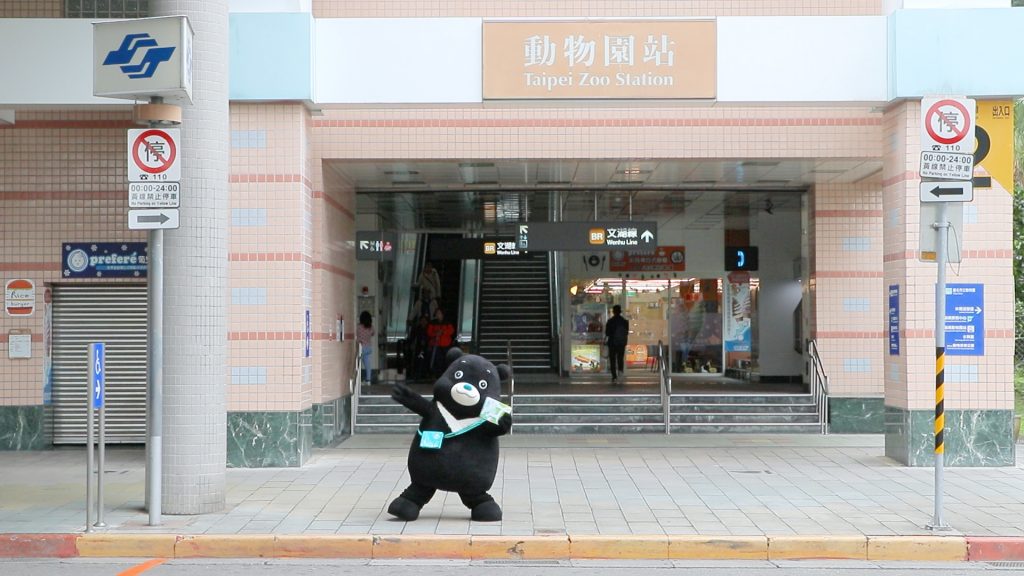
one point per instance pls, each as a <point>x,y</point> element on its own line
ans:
<point>62,179</point>
<point>591,8</point>
<point>846,269</point>
<point>334,292</point>
<point>598,132</point>
<point>270,250</point>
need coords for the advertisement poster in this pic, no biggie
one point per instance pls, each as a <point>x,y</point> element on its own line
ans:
<point>586,357</point>
<point>737,320</point>
<point>636,355</point>
<point>588,322</point>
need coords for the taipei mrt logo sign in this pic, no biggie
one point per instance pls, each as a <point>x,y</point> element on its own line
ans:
<point>143,58</point>
<point>152,55</point>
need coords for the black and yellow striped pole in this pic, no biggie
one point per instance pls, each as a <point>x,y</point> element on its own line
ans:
<point>941,229</point>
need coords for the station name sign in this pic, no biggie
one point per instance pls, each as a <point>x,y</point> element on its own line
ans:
<point>588,236</point>
<point>599,59</point>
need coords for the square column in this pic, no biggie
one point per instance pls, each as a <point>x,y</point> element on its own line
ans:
<point>978,398</point>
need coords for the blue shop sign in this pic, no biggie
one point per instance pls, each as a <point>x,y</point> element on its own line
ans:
<point>894,320</point>
<point>104,259</point>
<point>965,319</point>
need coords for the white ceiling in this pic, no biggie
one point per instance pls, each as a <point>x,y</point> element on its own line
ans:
<point>482,193</point>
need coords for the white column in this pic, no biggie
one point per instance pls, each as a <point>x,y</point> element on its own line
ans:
<point>196,270</point>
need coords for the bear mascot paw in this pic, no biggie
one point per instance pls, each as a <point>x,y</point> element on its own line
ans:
<point>456,446</point>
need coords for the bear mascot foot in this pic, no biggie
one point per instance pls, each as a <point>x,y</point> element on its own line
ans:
<point>406,509</point>
<point>487,512</point>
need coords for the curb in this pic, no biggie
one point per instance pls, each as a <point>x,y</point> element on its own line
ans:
<point>554,547</point>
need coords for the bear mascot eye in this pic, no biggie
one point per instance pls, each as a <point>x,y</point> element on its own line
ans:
<point>458,374</point>
<point>483,384</point>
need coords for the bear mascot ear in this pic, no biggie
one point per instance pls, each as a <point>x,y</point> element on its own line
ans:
<point>504,372</point>
<point>453,353</point>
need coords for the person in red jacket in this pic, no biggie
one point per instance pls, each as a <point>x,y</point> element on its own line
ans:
<point>440,334</point>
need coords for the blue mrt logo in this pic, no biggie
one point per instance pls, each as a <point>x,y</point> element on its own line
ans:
<point>152,55</point>
<point>97,374</point>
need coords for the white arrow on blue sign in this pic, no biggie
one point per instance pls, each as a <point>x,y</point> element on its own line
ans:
<point>97,374</point>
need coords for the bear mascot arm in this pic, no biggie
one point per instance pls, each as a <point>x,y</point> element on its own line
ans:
<point>406,397</point>
<point>505,423</point>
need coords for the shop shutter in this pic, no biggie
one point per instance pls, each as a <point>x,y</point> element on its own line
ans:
<point>116,315</point>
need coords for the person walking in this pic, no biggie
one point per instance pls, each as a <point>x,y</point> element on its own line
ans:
<point>364,335</point>
<point>616,332</point>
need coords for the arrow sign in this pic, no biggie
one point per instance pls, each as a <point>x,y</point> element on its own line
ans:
<point>163,219</point>
<point>947,191</point>
<point>97,374</point>
<point>647,236</point>
<point>159,218</point>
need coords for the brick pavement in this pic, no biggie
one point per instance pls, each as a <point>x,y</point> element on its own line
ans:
<point>553,485</point>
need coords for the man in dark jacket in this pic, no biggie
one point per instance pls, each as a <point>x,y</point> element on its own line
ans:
<point>616,332</point>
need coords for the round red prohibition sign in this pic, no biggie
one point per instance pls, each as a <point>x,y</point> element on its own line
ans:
<point>959,133</point>
<point>159,154</point>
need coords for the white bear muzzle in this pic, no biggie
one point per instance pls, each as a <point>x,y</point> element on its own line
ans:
<point>465,394</point>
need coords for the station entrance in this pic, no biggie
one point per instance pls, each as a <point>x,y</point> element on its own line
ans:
<point>688,304</point>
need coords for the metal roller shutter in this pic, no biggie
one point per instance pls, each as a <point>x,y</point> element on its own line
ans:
<point>115,314</point>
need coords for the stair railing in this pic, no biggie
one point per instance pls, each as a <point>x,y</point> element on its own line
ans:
<point>665,382</point>
<point>355,383</point>
<point>511,385</point>
<point>819,385</point>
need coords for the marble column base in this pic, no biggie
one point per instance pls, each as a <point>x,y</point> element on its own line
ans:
<point>856,415</point>
<point>269,439</point>
<point>331,421</point>
<point>971,438</point>
<point>25,428</point>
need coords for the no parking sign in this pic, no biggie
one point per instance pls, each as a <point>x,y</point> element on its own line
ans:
<point>153,155</point>
<point>947,125</point>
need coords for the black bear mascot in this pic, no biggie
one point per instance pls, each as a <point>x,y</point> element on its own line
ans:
<point>456,446</point>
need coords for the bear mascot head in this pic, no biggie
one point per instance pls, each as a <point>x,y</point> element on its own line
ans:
<point>456,446</point>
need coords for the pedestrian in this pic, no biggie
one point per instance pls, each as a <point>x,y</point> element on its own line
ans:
<point>364,335</point>
<point>420,347</point>
<point>429,280</point>
<point>441,334</point>
<point>616,332</point>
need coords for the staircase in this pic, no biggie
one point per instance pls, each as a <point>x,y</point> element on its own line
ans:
<point>624,413</point>
<point>744,414</point>
<point>515,304</point>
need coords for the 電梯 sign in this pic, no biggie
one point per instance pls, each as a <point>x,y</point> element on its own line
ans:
<point>599,59</point>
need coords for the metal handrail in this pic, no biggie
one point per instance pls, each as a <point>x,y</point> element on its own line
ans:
<point>511,384</point>
<point>665,382</point>
<point>819,385</point>
<point>355,383</point>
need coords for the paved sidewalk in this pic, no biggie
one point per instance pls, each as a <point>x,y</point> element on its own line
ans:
<point>553,485</point>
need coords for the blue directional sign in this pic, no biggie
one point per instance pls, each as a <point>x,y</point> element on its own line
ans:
<point>97,374</point>
<point>965,319</point>
<point>894,320</point>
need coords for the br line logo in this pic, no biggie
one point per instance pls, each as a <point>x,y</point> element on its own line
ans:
<point>152,55</point>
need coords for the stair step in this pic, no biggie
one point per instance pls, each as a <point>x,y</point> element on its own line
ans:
<point>712,428</point>
<point>765,418</point>
<point>747,408</point>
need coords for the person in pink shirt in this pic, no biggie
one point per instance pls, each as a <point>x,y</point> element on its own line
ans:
<point>364,335</point>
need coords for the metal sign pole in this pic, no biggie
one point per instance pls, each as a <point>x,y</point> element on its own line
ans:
<point>89,464</point>
<point>99,471</point>
<point>154,443</point>
<point>941,228</point>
